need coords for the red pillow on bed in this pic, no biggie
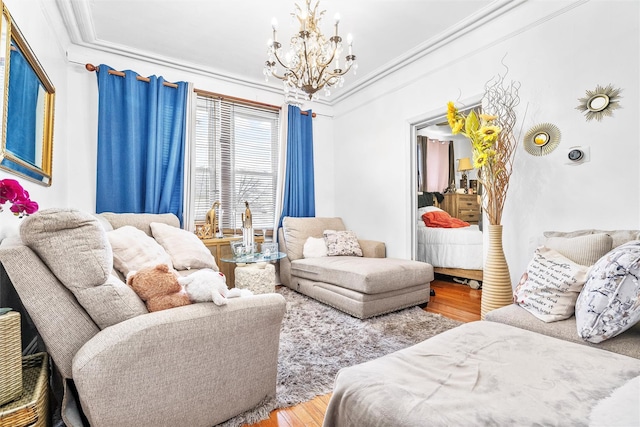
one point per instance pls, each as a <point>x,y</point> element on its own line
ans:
<point>441,219</point>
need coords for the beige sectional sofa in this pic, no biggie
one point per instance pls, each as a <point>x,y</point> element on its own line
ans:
<point>588,247</point>
<point>512,368</point>
<point>195,365</point>
<point>363,286</point>
<point>627,343</point>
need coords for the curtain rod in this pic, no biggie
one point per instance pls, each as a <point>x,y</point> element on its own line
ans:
<point>244,101</point>
<point>91,68</point>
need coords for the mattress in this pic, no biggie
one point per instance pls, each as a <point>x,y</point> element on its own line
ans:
<point>487,373</point>
<point>450,247</point>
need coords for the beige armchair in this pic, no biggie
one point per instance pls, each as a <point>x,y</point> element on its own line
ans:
<point>196,365</point>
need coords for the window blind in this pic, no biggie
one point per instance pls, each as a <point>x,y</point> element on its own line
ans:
<point>236,161</point>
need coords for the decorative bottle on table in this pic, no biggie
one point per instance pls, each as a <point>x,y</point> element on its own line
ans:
<point>247,229</point>
<point>211,221</point>
<point>219,227</point>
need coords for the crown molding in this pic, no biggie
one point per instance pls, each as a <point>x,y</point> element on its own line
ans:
<point>469,24</point>
<point>77,19</point>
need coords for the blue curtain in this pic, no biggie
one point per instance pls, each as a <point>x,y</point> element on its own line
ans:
<point>299,187</point>
<point>141,139</point>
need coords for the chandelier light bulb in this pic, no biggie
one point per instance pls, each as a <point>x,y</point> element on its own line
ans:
<point>274,26</point>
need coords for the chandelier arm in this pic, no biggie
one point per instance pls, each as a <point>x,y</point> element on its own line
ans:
<point>278,77</point>
<point>306,61</point>
<point>333,55</point>
<point>341,73</point>
<point>291,70</point>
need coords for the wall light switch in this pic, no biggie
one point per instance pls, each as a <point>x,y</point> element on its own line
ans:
<point>577,155</point>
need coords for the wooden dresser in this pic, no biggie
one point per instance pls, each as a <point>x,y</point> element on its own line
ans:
<point>463,206</point>
<point>220,248</point>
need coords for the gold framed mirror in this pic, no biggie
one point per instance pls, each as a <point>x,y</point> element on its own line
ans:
<point>28,108</point>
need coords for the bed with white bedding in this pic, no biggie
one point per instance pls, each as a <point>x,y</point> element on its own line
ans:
<point>456,248</point>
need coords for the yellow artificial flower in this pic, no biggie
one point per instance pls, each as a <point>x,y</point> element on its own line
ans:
<point>452,113</point>
<point>488,117</point>
<point>457,126</point>
<point>489,133</point>
<point>479,160</point>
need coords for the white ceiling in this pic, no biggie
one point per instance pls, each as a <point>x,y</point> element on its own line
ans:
<point>228,38</point>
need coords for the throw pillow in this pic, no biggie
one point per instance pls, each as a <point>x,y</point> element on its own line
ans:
<point>133,250</point>
<point>619,236</point>
<point>608,304</point>
<point>620,408</point>
<point>342,243</point>
<point>550,286</point>
<point>584,250</point>
<point>441,219</point>
<point>314,247</point>
<point>185,249</point>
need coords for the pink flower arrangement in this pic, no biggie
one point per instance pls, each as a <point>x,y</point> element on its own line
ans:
<point>11,191</point>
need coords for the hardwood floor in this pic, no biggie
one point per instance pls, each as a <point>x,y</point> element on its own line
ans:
<point>452,300</point>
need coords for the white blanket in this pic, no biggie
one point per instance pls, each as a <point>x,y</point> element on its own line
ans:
<point>450,247</point>
<point>480,373</point>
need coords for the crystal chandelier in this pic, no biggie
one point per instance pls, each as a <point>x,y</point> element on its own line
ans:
<point>312,62</point>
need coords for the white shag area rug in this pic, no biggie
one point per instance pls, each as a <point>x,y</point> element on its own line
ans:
<point>316,341</point>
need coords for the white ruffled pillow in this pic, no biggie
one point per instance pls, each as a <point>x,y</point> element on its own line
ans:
<point>185,249</point>
<point>133,250</point>
<point>424,210</point>
<point>314,247</point>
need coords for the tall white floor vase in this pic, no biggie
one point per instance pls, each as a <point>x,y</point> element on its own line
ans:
<point>496,280</point>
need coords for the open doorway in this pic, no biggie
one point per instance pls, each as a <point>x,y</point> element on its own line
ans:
<point>455,252</point>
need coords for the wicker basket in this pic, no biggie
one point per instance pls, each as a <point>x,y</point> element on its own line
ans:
<point>10,357</point>
<point>32,408</point>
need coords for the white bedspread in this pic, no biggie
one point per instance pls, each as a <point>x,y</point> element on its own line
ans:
<point>480,374</point>
<point>450,247</point>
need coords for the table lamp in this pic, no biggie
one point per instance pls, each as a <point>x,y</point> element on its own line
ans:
<point>464,165</point>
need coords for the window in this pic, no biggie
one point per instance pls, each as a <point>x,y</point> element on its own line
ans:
<point>236,161</point>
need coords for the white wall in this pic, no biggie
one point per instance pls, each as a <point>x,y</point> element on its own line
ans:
<point>557,56</point>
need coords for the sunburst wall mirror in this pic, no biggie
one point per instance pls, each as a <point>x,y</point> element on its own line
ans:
<point>542,139</point>
<point>600,102</point>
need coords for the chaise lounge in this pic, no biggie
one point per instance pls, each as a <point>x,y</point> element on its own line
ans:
<point>362,286</point>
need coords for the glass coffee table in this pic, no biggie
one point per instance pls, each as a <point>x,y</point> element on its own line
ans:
<point>254,258</point>
<point>255,271</point>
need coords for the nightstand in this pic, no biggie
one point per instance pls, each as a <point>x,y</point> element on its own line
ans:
<point>463,206</point>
